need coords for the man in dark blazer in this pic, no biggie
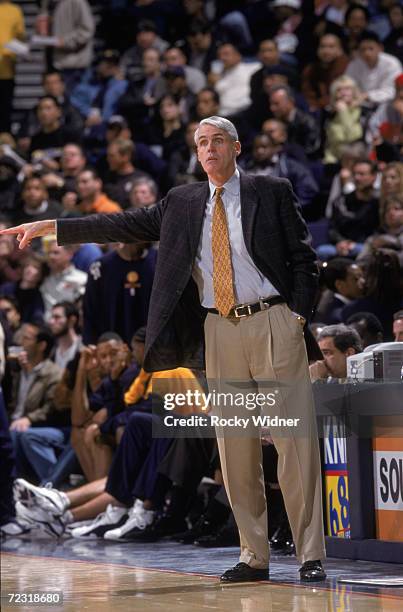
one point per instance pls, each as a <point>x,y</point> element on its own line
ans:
<point>234,248</point>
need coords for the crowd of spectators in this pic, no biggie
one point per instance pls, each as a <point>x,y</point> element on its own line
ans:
<point>315,90</point>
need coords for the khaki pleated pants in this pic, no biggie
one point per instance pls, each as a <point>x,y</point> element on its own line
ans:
<point>263,352</point>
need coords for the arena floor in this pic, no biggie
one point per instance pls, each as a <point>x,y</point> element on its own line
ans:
<point>101,576</point>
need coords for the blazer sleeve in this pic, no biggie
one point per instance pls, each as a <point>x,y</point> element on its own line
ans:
<point>139,225</point>
<point>301,256</point>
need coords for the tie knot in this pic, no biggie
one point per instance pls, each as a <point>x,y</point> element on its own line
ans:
<point>218,191</point>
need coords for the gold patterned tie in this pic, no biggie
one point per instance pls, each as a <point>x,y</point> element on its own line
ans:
<point>224,292</point>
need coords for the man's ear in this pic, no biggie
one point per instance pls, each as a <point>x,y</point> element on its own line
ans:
<point>350,351</point>
<point>237,147</point>
<point>338,285</point>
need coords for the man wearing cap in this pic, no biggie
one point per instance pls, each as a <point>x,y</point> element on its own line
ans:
<point>235,269</point>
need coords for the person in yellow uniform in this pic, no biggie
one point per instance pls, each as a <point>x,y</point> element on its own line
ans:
<point>11,27</point>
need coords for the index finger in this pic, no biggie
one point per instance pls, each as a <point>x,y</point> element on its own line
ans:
<point>12,230</point>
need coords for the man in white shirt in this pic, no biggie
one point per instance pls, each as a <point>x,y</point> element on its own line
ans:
<point>373,70</point>
<point>233,84</point>
<point>65,282</point>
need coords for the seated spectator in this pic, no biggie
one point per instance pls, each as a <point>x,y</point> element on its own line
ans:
<point>382,294</point>
<point>184,166</point>
<point>33,388</point>
<point>11,256</point>
<point>119,180</point>
<point>167,132</point>
<point>302,127</point>
<point>269,159</point>
<point>26,290</point>
<point>207,103</point>
<point>234,77</point>
<point>10,310</point>
<point>47,142</point>
<point>343,125</point>
<point>10,186</point>
<point>195,78</point>
<point>269,56</point>
<point>386,122</point>
<point>318,76</point>
<point>345,283</point>
<point>356,22</point>
<point>355,216</point>
<point>143,93</point>
<point>391,183</point>
<point>144,193</point>
<point>63,322</point>
<point>393,41</point>
<point>36,205</point>
<point>337,342</point>
<point>146,38</point>
<point>390,234</point>
<point>64,283</point>
<point>128,272</point>
<point>72,162</point>
<point>91,198</point>
<point>398,326</point>
<point>201,46</point>
<point>53,85</point>
<point>177,87</point>
<point>98,94</point>
<point>277,131</point>
<point>342,182</point>
<point>368,326</point>
<point>111,359</point>
<point>373,70</point>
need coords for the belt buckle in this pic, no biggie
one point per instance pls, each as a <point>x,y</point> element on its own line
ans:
<point>239,316</point>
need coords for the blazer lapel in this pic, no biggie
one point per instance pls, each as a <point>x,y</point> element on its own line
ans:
<point>249,204</point>
<point>196,207</point>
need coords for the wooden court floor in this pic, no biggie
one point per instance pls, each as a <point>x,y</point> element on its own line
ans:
<point>107,587</point>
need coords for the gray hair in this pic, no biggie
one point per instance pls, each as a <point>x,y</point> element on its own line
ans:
<point>144,180</point>
<point>221,123</point>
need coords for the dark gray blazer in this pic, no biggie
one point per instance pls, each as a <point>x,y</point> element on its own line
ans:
<point>275,235</point>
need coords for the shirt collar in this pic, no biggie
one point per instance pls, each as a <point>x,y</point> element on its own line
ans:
<point>232,186</point>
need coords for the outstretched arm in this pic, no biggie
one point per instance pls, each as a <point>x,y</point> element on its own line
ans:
<point>130,226</point>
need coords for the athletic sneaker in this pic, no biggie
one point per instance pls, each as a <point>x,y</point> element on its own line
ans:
<point>47,522</point>
<point>138,519</point>
<point>51,500</point>
<point>15,527</point>
<point>114,516</point>
<point>71,526</point>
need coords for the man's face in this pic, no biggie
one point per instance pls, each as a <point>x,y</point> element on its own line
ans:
<point>357,22</point>
<point>390,181</point>
<point>58,258</point>
<point>115,159</point>
<point>275,131</point>
<point>58,322</point>
<point>145,39</point>
<point>216,151</point>
<point>262,149</point>
<point>200,42</point>
<point>53,85</point>
<point>174,57</point>
<point>142,196</point>
<point>268,53</point>
<point>363,176</point>
<point>206,105</point>
<point>369,51</point>
<point>72,158</point>
<point>12,314</point>
<point>398,330</point>
<point>87,185</point>
<point>34,193</point>
<point>151,61</point>
<point>29,342</point>
<point>280,104</point>
<point>107,353</point>
<point>229,56</point>
<point>352,287</point>
<point>335,360</point>
<point>329,49</point>
<point>48,112</point>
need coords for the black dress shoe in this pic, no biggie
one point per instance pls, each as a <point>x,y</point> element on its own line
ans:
<point>164,525</point>
<point>226,536</point>
<point>244,573</point>
<point>282,542</point>
<point>203,527</point>
<point>312,571</point>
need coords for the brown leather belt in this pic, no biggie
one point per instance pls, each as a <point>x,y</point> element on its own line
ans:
<point>245,310</point>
